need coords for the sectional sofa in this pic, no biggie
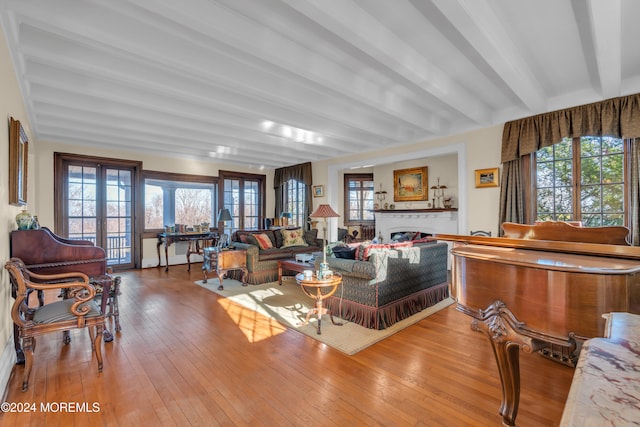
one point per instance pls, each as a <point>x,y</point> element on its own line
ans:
<point>387,283</point>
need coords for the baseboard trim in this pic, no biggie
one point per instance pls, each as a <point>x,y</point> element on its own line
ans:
<point>7,362</point>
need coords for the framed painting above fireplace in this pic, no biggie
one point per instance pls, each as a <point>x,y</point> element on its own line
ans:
<point>410,184</point>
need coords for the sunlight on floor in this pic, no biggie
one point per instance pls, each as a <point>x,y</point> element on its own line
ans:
<point>255,326</point>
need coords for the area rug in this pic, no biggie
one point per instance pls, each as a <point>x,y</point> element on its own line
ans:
<point>289,306</point>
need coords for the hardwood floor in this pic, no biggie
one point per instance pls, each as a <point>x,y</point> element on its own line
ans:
<point>187,357</point>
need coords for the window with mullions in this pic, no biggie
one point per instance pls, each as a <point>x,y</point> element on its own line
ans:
<point>244,195</point>
<point>358,194</point>
<point>294,202</point>
<point>582,179</point>
<point>188,200</point>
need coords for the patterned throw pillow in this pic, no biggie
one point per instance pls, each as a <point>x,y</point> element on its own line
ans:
<point>263,241</point>
<point>293,237</point>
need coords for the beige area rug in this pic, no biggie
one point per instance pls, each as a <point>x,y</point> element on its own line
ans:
<point>289,306</point>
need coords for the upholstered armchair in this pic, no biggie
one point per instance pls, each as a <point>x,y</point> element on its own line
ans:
<point>78,310</point>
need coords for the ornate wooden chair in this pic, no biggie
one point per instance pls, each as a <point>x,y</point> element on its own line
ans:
<point>78,311</point>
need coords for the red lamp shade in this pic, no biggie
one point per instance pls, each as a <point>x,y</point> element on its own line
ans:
<point>324,211</point>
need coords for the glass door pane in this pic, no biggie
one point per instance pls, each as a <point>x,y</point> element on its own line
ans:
<point>82,221</point>
<point>119,211</point>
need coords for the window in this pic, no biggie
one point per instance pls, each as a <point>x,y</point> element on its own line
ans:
<point>244,196</point>
<point>358,194</point>
<point>294,202</point>
<point>582,179</point>
<point>179,199</point>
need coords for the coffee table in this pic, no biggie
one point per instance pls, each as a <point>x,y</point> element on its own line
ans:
<point>292,265</point>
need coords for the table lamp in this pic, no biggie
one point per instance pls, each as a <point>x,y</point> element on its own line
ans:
<point>286,216</point>
<point>223,216</point>
<point>324,212</point>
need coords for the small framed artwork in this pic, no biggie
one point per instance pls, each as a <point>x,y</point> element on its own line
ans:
<point>410,184</point>
<point>318,191</point>
<point>18,162</point>
<point>487,177</point>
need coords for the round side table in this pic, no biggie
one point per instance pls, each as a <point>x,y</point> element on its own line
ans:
<point>319,289</point>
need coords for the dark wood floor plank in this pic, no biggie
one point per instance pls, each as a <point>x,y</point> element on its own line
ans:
<point>188,357</point>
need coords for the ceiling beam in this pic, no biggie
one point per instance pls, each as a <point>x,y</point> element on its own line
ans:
<point>606,18</point>
<point>348,21</point>
<point>483,30</point>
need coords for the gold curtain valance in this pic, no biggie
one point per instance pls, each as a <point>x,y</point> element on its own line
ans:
<point>616,117</point>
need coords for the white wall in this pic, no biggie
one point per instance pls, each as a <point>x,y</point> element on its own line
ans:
<point>11,105</point>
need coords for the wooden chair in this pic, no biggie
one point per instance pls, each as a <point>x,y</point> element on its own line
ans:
<point>78,311</point>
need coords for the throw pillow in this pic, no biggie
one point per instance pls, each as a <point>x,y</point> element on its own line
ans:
<point>293,238</point>
<point>310,237</point>
<point>249,239</point>
<point>344,252</point>
<point>263,241</point>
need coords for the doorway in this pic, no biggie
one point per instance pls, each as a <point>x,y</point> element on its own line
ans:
<point>95,200</point>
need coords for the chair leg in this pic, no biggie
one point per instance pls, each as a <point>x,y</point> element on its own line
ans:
<point>97,345</point>
<point>116,312</point>
<point>28,346</point>
<point>91,338</point>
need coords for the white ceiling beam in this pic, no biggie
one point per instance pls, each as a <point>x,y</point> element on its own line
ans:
<point>348,21</point>
<point>266,94</point>
<point>301,52</point>
<point>606,19</point>
<point>482,29</point>
<point>205,106</point>
<point>198,60</point>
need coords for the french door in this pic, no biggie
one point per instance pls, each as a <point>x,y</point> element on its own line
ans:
<point>96,201</point>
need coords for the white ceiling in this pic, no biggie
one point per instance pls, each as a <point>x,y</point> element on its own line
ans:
<point>271,83</point>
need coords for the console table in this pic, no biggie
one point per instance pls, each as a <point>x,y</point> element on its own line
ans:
<point>195,246</point>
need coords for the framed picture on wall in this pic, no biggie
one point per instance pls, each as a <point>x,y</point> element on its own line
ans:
<point>487,177</point>
<point>318,191</point>
<point>410,184</point>
<point>18,162</point>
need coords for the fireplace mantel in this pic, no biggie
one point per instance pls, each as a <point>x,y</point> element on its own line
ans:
<point>414,210</point>
<point>432,221</point>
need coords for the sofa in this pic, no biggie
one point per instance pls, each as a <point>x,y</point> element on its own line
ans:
<point>265,247</point>
<point>387,283</point>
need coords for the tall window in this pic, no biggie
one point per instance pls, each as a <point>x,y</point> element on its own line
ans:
<point>582,179</point>
<point>244,196</point>
<point>179,199</point>
<point>294,202</point>
<point>358,194</point>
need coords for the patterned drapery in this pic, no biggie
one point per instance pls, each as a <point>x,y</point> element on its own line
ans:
<point>616,117</point>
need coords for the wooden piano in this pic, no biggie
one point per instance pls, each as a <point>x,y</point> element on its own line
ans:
<point>542,289</point>
<point>44,252</point>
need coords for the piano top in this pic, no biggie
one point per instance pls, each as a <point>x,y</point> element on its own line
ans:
<point>546,260</point>
<point>593,249</point>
